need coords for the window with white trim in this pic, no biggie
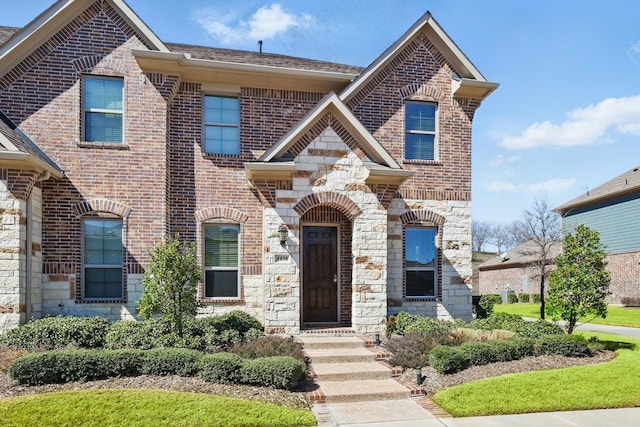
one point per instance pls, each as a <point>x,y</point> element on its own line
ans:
<point>221,260</point>
<point>102,106</point>
<point>420,131</point>
<point>221,125</point>
<point>421,258</point>
<point>102,258</point>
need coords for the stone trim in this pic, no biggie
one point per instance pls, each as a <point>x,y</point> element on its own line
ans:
<point>87,207</point>
<point>217,212</point>
<point>336,200</point>
<point>417,91</point>
<point>86,64</point>
<point>420,217</point>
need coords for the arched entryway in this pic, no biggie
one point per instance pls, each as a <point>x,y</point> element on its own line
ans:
<point>327,265</point>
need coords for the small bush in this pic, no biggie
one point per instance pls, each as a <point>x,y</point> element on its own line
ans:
<point>412,350</point>
<point>406,323</point>
<point>171,361</point>
<point>488,301</point>
<point>268,346</point>
<point>222,368</point>
<point>565,345</point>
<point>447,360</point>
<point>57,332</point>
<point>524,297</point>
<point>153,333</point>
<point>512,298</point>
<point>535,298</point>
<point>538,328</point>
<point>479,353</point>
<point>8,355</point>
<point>278,371</point>
<point>509,322</point>
<point>391,325</point>
<point>631,301</point>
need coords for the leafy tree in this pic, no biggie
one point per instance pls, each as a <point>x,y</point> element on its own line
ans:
<point>541,226</point>
<point>580,283</point>
<point>170,283</point>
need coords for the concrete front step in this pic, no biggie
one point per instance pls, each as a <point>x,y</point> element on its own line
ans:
<point>350,371</point>
<point>339,355</point>
<point>310,342</point>
<point>362,390</point>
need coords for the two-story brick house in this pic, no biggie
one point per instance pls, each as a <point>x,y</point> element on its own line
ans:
<point>318,194</point>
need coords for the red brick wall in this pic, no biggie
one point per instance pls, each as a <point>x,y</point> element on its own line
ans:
<point>43,95</point>
<point>625,276</point>
<point>494,281</point>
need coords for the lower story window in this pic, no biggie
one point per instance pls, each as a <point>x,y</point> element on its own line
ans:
<point>420,257</point>
<point>221,260</point>
<point>102,258</point>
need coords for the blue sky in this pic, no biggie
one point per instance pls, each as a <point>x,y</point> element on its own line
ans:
<point>565,119</point>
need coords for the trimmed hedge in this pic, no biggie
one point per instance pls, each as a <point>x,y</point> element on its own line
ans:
<point>404,323</point>
<point>512,298</point>
<point>488,301</point>
<point>171,361</point>
<point>524,297</point>
<point>535,298</point>
<point>517,324</point>
<point>221,368</point>
<point>277,371</point>
<point>448,359</point>
<point>57,332</point>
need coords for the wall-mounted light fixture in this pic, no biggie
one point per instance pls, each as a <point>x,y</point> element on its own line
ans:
<point>283,233</point>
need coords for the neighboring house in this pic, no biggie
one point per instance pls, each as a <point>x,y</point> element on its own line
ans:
<point>319,194</point>
<point>613,210</point>
<point>517,269</point>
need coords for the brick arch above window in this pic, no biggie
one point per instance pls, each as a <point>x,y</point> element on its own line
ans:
<point>221,212</point>
<point>87,64</point>
<point>336,200</point>
<point>420,91</point>
<point>102,205</point>
<point>424,216</point>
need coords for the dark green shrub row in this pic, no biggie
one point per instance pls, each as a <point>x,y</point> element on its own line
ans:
<point>412,350</point>
<point>535,298</point>
<point>449,359</point>
<point>404,323</point>
<point>512,298</point>
<point>268,346</point>
<point>517,324</point>
<point>58,332</point>
<point>523,297</point>
<point>206,334</point>
<point>62,366</point>
<point>488,301</point>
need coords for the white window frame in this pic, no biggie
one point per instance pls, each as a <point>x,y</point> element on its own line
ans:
<point>86,266</point>
<point>219,268</point>
<point>101,110</point>
<point>206,124</point>
<point>433,268</point>
<point>423,132</point>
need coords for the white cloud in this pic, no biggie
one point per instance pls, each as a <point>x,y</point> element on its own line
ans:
<point>635,47</point>
<point>503,160</point>
<point>266,23</point>
<point>583,126</point>
<point>557,185</point>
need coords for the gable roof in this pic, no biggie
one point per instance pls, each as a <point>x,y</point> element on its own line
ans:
<point>521,255</point>
<point>56,17</point>
<point>628,182</point>
<point>381,164</point>
<point>469,82</point>
<point>17,149</point>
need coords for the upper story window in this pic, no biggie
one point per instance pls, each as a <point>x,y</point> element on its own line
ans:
<point>421,257</point>
<point>221,260</point>
<point>102,108</point>
<point>420,131</point>
<point>221,125</point>
<point>102,259</point>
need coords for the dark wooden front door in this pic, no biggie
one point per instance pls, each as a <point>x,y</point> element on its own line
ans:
<point>320,274</point>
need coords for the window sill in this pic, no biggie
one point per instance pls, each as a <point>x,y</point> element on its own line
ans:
<point>421,299</point>
<point>217,156</point>
<point>423,162</point>
<point>104,145</point>
<point>101,301</point>
<point>225,301</point>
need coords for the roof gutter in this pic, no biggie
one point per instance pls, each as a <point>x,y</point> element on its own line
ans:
<point>18,160</point>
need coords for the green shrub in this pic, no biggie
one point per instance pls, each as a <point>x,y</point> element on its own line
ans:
<point>153,333</point>
<point>535,298</point>
<point>447,360</point>
<point>406,323</point>
<point>278,371</point>
<point>488,301</point>
<point>479,353</point>
<point>524,297</point>
<point>171,361</point>
<point>512,298</point>
<point>57,332</point>
<point>267,346</point>
<point>565,345</point>
<point>538,328</point>
<point>222,368</point>
<point>509,322</point>
<point>412,350</point>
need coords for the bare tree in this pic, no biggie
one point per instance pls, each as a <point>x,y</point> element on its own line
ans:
<point>541,226</point>
<point>503,237</point>
<point>480,234</point>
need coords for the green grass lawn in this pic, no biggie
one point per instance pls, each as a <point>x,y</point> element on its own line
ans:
<point>613,384</point>
<point>616,316</point>
<point>143,408</point>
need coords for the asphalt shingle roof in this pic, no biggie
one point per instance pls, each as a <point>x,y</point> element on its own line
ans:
<point>524,254</point>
